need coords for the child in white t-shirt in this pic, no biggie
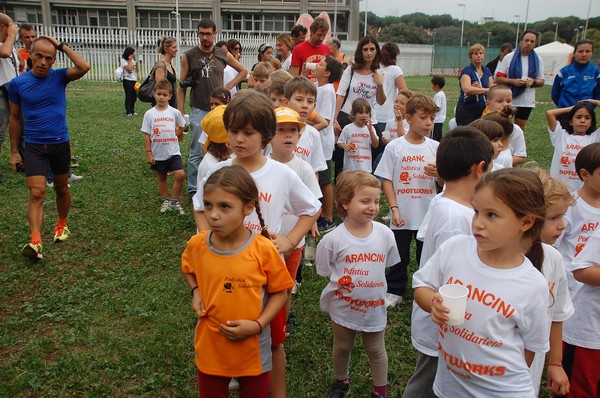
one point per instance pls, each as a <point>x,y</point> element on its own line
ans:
<point>216,141</point>
<point>558,199</point>
<point>354,257</point>
<point>437,85</point>
<point>409,173</point>
<point>163,129</point>
<point>499,99</point>
<point>398,126</point>
<point>582,341</point>
<point>251,123</point>
<point>463,157</point>
<point>357,138</point>
<point>505,323</point>
<point>495,133</point>
<point>583,217</point>
<point>567,142</point>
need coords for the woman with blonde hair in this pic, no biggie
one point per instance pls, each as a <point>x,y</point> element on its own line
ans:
<point>475,81</point>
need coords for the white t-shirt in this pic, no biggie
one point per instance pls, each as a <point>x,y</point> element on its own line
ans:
<point>447,218</point>
<point>228,75</point>
<point>309,148</point>
<point>206,164</point>
<point>308,177</point>
<point>504,159</point>
<point>280,190</point>
<point>582,220</point>
<point>527,98</point>
<point>126,74</point>
<point>440,100</point>
<point>360,158</point>
<point>561,307</point>
<point>355,294</point>
<point>403,163</point>
<point>452,124</point>
<point>392,127</point>
<point>566,147</point>
<point>326,108</point>
<point>9,67</point>
<point>285,65</point>
<point>390,74</point>
<point>516,142</point>
<point>160,126</point>
<point>582,328</point>
<point>362,86</point>
<point>506,314</point>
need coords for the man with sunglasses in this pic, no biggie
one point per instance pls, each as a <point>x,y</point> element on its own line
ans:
<point>202,70</point>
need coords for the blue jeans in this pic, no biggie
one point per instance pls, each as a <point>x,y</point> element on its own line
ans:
<point>196,154</point>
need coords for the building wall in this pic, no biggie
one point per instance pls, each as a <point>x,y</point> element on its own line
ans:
<point>231,16</point>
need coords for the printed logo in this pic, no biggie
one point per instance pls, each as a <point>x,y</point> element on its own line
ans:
<point>405,177</point>
<point>345,283</point>
<point>228,287</point>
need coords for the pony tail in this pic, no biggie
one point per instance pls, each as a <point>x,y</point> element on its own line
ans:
<point>263,228</point>
<point>536,254</point>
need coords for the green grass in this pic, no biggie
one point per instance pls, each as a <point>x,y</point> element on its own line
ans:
<point>108,313</point>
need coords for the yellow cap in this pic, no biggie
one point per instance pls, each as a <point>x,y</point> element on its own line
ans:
<point>288,115</point>
<point>213,125</point>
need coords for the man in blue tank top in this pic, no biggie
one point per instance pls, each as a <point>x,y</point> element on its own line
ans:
<point>41,95</point>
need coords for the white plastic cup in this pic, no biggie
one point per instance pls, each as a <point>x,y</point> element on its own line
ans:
<point>311,66</point>
<point>455,299</point>
<point>386,135</point>
<point>187,118</point>
<point>429,160</point>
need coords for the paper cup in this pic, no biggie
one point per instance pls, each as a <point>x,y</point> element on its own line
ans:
<point>311,66</point>
<point>386,135</point>
<point>455,298</point>
<point>429,160</point>
<point>310,253</point>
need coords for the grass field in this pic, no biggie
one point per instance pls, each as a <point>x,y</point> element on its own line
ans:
<point>108,313</point>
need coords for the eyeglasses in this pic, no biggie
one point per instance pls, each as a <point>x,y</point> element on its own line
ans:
<point>205,34</point>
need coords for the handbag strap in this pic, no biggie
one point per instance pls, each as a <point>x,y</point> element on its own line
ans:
<point>349,84</point>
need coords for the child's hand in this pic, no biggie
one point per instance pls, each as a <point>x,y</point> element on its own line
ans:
<point>336,127</point>
<point>197,305</point>
<point>239,330</point>
<point>348,147</point>
<point>396,219</point>
<point>430,170</point>
<point>439,313</point>
<point>150,158</point>
<point>557,380</point>
<point>314,230</point>
<point>591,101</point>
<point>282,243</point>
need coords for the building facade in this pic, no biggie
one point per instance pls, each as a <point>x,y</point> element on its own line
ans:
<point>231,16</point>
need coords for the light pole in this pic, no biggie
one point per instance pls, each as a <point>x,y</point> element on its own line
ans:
<point>587,19</point>
<point>335,19</point>
<point>489,34</point>
<point>365,18</point>
<point>539,39</point>
<point>462,26</point>
<point>555,30</point>
<point>577,30</point>
<point>518,23</point>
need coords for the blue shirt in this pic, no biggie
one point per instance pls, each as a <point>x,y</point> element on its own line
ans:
<point>43,101</point>
<point>576,82</point>
<point>472,73</point>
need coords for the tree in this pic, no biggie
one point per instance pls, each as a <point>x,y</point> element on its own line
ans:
<point>403,33</point>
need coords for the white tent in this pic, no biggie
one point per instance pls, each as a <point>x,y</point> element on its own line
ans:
<point>555,55</point>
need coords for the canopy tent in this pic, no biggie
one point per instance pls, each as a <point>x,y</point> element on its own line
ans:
<point>555,55</point>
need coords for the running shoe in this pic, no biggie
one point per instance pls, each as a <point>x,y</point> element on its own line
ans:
<point>33,251</point>
<point>177,207</point>
<point>61,234</point>
<point>164,207</point>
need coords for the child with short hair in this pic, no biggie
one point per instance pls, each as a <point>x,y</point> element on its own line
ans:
<point>251,124</point>
<point>437,85</point>
<point>505,322</point>
<point>582,344</point>
<point>357,138</point>
<point>261,73</point>
<point>582,218</point>
<point>354,297</point>
<point>409,185</point>
<point>397,126</point>
<point>495,133</point>
<point>463,157</point>
<point>219,96</point>
<point>300,94</point>
<point>277,82</point>
<point>163,129</point>
<point>329,70</point>
<point>558,199</point>
<point>580,130</point>
<point>499,98</point>
<point>234,324</point>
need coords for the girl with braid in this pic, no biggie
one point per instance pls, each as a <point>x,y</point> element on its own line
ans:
<point>251,123</point>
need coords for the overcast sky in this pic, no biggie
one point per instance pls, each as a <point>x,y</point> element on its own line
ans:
<point>503,10</point>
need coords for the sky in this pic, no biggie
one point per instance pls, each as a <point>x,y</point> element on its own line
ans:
<point>503,10</point>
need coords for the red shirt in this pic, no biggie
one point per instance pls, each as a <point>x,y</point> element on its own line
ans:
<point>306,52</point>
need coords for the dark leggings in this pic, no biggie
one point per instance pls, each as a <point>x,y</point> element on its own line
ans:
<point>467,114</point>
<point>397,276</point>
<point>130,96</point>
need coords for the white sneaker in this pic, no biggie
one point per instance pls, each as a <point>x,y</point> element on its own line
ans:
<point>296,287</point>
<point>391,300</point>
<point>49,184</point>
<point>234,385</point>
<point>177,207</point>
<point>74,177</point>
<point>164,207</point>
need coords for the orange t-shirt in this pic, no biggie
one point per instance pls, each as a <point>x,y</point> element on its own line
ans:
<point>234,285</point>
<point>24,54</point>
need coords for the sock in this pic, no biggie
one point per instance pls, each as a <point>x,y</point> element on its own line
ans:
<point>36,237</point>
<point>345,381</point>
<point>62,222</point>
<point>380,390</point>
